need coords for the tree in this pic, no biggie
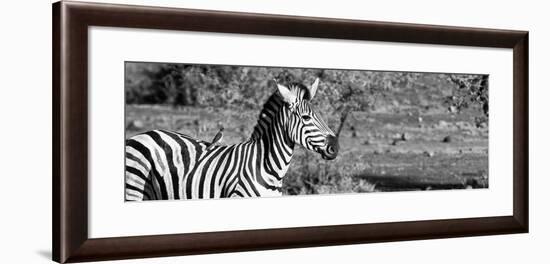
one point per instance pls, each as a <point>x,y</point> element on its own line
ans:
<point>473,91</point>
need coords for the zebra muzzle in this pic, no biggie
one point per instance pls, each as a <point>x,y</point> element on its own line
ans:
<point>331,150</point>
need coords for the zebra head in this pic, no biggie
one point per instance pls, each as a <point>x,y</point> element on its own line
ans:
<point>305,127</point>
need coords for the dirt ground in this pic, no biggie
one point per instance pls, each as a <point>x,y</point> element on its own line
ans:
<point>399,151</point>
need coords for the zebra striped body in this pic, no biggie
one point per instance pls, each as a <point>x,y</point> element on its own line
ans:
<point>168,165</point>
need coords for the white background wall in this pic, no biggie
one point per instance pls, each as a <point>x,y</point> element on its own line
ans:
<point>25,142</point>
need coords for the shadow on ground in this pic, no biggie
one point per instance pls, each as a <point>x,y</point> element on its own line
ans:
<point>388,183</point>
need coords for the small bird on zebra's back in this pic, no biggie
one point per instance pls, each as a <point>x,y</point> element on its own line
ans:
<point>217,138</point>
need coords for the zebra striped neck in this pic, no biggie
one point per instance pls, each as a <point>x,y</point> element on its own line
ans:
<point>272,121</point>
<point>271,134</point>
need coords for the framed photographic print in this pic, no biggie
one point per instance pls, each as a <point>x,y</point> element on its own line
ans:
<point>181,131</point>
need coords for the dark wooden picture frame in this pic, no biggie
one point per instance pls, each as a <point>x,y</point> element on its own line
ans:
<point>70,131</point>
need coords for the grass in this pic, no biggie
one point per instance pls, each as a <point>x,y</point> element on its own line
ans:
<point>379,151</point>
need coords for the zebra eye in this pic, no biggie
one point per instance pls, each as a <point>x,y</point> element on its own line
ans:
<point>306,117</point>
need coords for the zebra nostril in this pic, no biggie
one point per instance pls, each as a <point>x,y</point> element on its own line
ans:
<point>332,146</point>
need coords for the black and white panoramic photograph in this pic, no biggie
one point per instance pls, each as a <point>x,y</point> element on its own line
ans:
<point>196,131</point>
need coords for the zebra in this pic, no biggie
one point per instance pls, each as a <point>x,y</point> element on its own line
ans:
<point>163,164</point>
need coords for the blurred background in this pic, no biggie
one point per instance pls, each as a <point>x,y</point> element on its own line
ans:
<point>398,131</point>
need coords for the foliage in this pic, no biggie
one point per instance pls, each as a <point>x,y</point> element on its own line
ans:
<point>472,90</point>
<point>311,175</point>
<point>218,85</point>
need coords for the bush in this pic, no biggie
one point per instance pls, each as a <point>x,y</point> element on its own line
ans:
<point>472,91</point>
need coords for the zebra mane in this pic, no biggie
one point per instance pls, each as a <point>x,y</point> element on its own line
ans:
<point>269,110</point>
<point>273,105</point>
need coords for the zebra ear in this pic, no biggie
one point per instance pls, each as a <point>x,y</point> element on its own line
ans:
<point>288,96</point>
<point>313,88</point>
